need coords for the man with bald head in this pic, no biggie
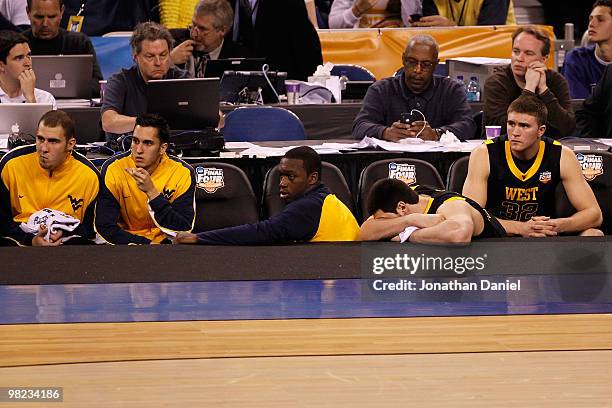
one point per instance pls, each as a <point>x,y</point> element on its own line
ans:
<point>441,101</point>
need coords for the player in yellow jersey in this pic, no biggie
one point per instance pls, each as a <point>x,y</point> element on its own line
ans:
<point>146,195</point>
<point>48,175</point>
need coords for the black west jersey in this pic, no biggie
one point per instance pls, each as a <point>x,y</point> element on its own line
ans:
<point>492,227</point>
<point>516,195</point>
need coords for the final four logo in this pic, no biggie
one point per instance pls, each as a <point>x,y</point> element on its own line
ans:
<point>404,172</point>
<point>545,177</point>
<point>209,179</point>
<point>592,165</point>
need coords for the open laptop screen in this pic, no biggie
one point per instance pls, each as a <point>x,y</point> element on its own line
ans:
<point>64,76</point>
<point>24,115</point>
<point>216,68</point>
<point>187,104</point>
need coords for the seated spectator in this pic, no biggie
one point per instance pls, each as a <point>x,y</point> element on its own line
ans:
<point>52,177</point>
<point>372,13</point>
<point>279,31</point>
<point>527,75</point>
<point>146,195</point>
<point>47,38</point>
<point>441,100</point>
<point>125,96</point>
<point>425,216</point>
<point>205,40</point>
<point>594,119</point>
<point>312,213</point>
<point>13,15</point>
<point>584,66</point>
<point>17,78</point>
<point>466,13</point>
<point>515,178</point>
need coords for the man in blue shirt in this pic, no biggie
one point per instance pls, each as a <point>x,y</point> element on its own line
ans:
<point>584,66</point>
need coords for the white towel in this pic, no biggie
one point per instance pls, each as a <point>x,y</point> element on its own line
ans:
<point>54,220</point>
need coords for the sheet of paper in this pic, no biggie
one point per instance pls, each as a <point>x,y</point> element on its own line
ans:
<point>239,145</point>
<point>605,141</point>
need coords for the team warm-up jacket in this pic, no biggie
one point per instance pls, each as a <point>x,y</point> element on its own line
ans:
<point>518,190</point>
<point>124,214</point>
<point>317,216</point>
<point>26,188</point>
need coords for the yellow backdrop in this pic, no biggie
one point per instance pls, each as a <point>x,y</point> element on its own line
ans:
<point>380,50</point>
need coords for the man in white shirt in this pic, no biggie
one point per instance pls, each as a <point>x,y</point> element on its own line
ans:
<point>14,11</point>
<point>372,13</point>
<point>17,79</point>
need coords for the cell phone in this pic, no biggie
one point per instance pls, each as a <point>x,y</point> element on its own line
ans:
<point>415,17</point>
<point>408,118</point>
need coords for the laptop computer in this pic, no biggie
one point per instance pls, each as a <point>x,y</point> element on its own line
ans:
<point>64,76</point>
<point>187,104</point>
<point>242,87</point>
<point>216,68</point>
<point>24,115</point>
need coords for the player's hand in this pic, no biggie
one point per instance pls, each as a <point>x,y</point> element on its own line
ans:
<point>433,21</point>
<point>54,238</point>
<point>397,131</point>
<point>185,238</point>
<point>539,227</point>
<point>181,53</point>
<point>143,181</point>
<point>27,81</point>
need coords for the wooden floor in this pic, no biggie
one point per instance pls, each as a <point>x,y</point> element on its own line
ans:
<point>539,379</point>
<point>526,361</point>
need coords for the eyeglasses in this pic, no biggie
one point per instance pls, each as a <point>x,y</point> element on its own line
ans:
<point>200,29</point>
<point>411,63</point>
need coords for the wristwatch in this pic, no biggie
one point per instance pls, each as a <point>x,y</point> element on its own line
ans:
<point>439,132</point>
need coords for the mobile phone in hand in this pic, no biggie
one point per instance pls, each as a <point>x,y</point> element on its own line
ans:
<point>408,118</point>
<point>415,17</point>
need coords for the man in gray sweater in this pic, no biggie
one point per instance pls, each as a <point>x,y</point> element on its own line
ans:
<point>441,101</point>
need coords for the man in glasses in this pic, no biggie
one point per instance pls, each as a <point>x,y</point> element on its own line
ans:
<point>205,39</point>
<point>416,103</point>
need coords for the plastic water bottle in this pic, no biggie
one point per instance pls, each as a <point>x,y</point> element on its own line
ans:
<point>343,80</point>
<point>462,82</point>
<point>473,90</point>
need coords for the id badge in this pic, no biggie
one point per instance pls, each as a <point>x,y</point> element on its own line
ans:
<point>75,23</point>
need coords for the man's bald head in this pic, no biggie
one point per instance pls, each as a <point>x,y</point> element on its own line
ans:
<point>420,60</point>
<point>423,40</point>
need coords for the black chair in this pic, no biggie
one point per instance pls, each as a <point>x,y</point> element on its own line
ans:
<point>478,118</point>
<point>331,176</point>
<point>457,173</point>
<point>600,180</point>
<point>412,171</point>
<point>224,197</point>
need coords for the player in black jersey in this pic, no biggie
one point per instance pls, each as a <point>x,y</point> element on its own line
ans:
<point>425,215</point>
<point>515,177</point>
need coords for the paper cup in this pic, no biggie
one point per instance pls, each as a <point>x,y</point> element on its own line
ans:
<point>293,92</point>
<point>492,131</point>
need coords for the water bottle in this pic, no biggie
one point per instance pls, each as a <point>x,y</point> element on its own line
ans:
<point>343,80</point>
<point>462,82</point>
<point>473,90</point>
